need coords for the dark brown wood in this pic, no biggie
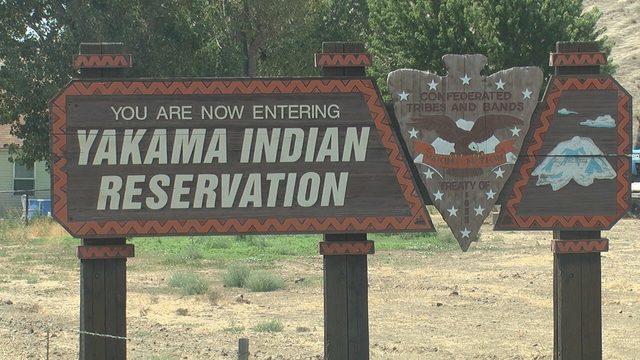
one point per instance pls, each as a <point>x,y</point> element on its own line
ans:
<point>243,349</point>
<point>346,319</point>
<point>336,326</point>
<point>379,193</point>
<point>346,309</point>
<point>464,132</point>
<point>103,269</point>
<point>583,123</point>
<point>577,284</point>
<point>577,301</point>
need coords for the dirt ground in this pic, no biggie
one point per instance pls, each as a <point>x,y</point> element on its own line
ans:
<point>493,302</point>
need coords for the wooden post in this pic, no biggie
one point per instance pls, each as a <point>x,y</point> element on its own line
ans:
<point>243,349</point>
<point>346,310</point>
<point>577,312</point>
<point>103,279</point>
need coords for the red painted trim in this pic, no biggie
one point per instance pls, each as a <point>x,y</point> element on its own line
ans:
<point>342,60</point>
<point>577,59</point>
<point>102,61</point>
<point>346,247</point>
<point>417,218</point>
<point>579,246</point>
<point>105,252</point>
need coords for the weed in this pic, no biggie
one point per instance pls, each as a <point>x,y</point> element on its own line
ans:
<point>160,357</point>
<point>233,329</point>
<point>211,243</point>
<point>189,254</point>
<point>429,242</point>
<point>182,312</point>
<point>31,279</point>
<point>213,296</point>
<point>236,276</point>
<point>269,326</point>
<point>262,281</point>
<point>189,283</point>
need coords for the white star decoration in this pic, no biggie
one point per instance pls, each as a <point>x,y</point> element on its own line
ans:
<point>465,233</point>
<point>428,174</point>
<point>465,79</point>
<point>433,85</point>
<point>526,94</point>
<point>500,85</point>
<point>515,131</point>
<point>413,133</point>
<point>404,96</point>
<point>499,173</point>
<point>490,194</point>
<point>438,195</point>
<point>479,210</point>
<point>453,211</point>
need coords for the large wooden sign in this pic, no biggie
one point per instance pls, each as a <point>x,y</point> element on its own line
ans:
<point>235,156</point>
<point>575,172</point>
<point>464,132</point>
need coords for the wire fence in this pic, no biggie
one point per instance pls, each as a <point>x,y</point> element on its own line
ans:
<point>46,342</point>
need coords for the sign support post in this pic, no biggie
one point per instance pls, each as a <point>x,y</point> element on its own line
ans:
<point>346,309</point>
<point>577,311</point>
<point>103,274</point>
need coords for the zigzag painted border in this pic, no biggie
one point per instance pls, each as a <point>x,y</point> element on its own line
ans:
<point>342,60</point>
<point>577,59</point>
<point>509,217</point>
<point>102,61</point>
<point>417,220</point>
<point>346,247</point>
<point>579,246</point>
<point>105,252</point>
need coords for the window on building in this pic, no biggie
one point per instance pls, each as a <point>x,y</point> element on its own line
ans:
<point>24,179</point>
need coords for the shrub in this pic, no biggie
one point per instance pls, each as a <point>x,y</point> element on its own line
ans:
<point>269,326</point>
<point>236,276</point>
<point>213,296</point>
<point>189,283</point>
<point>234,329</point>
<point>262,281</point>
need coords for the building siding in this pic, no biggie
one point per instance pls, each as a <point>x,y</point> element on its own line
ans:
<point>10,204</point>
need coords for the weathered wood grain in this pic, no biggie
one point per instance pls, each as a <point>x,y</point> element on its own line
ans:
<point>464,132</point>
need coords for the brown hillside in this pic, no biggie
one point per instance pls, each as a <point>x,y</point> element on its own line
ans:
<point>622,20</point>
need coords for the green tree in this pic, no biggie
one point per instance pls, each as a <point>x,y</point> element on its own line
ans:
<point>166,37</point>
<point>415,34</point>
<point>40,38</point>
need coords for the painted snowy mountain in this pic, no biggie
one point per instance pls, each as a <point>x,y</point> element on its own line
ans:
<point>579,159</point>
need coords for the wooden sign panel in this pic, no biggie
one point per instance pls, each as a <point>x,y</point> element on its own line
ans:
<point>235,156</point>
<point>574,173</point>
<point>464,132</point>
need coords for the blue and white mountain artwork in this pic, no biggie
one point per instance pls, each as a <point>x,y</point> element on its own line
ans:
<point>579,159</point>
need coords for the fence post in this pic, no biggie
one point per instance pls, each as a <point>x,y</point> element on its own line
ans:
<point>103,276</point>
<point>26,208</point>
<point>243,349</point>
<point>577,309</point>
<point>346,309</point>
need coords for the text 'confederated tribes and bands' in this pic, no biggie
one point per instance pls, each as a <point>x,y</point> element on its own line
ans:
<point>156,148</point>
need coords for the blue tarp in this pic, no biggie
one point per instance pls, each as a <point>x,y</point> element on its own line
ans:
<point>39,207</point>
